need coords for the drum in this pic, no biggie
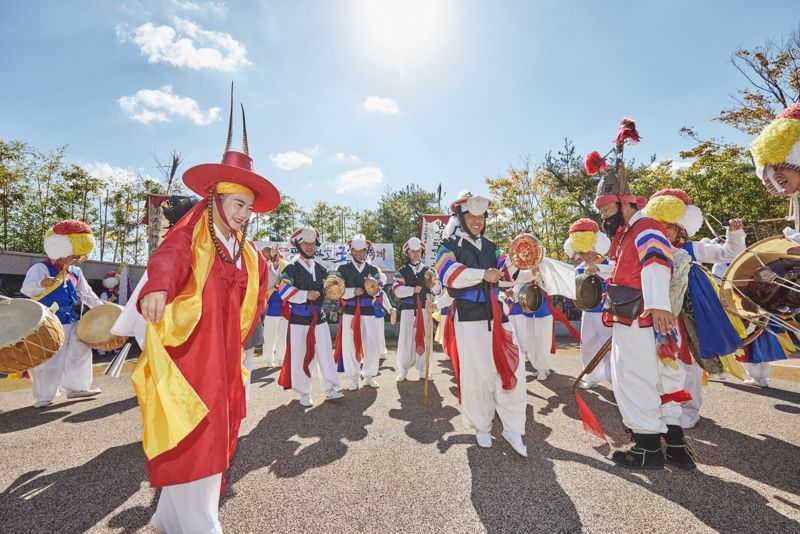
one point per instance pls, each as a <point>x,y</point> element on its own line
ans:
<point>530,297</point>
<point>30,335</point>
<point>526,252</point>
<point>94,328</point>
<point>371,287</point>
<point>430,278</point>
<point>588,291</point>
<point>333,286</point>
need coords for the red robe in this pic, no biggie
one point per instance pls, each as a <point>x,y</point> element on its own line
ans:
<point>210,360</point>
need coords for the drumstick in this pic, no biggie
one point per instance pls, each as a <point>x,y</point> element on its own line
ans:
<point>605,349</point>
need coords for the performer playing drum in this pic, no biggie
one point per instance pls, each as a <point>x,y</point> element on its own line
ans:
<point>586,246</point>
<point>309,336</point>
<point>412,288</point>
<point>59,280</point>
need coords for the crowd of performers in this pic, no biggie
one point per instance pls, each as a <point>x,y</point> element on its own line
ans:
<point>209,297</point>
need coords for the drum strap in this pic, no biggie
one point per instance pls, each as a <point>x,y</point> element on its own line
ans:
<point>59,280</point>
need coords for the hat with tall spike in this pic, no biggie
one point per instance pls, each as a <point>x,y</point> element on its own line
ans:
<point>236,167</point>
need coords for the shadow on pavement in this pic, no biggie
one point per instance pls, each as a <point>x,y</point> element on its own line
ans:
<point>261,375</point>
<point>270,443</point>
<point>427,423</point>
<point>30,417</point>
<point>74,499</point>
<point>107,410</point>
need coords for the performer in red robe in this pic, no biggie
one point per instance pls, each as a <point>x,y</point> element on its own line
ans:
<point>204,291</point>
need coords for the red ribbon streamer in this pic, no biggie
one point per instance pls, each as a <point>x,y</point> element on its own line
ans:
<point>356,326</point>
<point>311,343</point>
<point>419,325</point>
<point>451,347</point>
<point>590,422</point>
<point>285,378</point>
<point>504,351</point>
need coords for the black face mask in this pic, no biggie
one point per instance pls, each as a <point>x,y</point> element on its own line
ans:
<point>614,223</point>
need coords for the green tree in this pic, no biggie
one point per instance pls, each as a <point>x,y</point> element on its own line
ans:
<point>399,214</point>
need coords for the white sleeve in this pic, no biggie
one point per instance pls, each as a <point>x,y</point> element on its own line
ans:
<point>710,252</point>
<point>444,300</point>
<point>273,275</point>
<point>387,304</point>
<point>299,296</point>
<point>655,287</point>
<point>32,285</point>
<point>791,235</point>
<point>557,278</point>
<point>349,292</point>
<point>604,270</point>
<point>402,291</point>
<point>85,293</point>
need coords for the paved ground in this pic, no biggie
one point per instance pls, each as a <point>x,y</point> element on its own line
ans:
<point>381,461</point>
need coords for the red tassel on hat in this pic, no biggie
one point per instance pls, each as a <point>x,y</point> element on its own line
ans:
<point>594,163</point>
<point>627,132</point>
<point>590,422</point>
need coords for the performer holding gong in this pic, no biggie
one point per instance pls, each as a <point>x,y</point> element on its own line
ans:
<point>302,287</point>
<point>357,327</point>
<point>486,362</point>
<point>586,246</point>
<point>58,280</point>
<point>413,282</point>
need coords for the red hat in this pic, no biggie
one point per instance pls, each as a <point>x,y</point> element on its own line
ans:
<point>236,167</point>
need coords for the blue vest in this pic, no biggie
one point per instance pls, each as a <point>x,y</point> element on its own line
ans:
<point>65,296</point>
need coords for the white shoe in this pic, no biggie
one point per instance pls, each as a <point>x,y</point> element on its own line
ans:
<point>586,385</point>
<point>750,381</point>
<point>422,376</point>
<point>42,403</point>
<point>334,394</point>
<point>305,400</point>
<point>91,392</point>
<point>723,376</point>
<point>353,385</point>
<point>484,439</point>
<point>371,382</point>
<point>762,382</point>
<point>401,377</point>
<point>542,375</point>
<point>515,440</point>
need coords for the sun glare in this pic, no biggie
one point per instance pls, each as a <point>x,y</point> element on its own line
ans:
<point>401,30</point>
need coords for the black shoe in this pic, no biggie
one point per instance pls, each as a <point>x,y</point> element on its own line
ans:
<point>677,451</point>
<point>646,453</point>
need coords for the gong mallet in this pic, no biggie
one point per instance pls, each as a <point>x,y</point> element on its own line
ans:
<point>592,365</point>
<point>428,344</point>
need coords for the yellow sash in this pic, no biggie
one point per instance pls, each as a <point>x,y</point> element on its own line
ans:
<point>170,407</point>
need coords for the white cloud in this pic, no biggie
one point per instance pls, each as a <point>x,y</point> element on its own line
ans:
<point>364,179</point>
<point>217,8</point>
<point>187,45</point>
<point>160,105</point>
<point>381,105</point>
<point>347,158</point>
<point>288,161</point>
<point>118,176</point>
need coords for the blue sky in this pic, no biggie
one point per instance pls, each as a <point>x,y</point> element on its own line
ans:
<point>347,97</point>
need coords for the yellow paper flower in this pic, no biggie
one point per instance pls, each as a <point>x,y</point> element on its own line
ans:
<point>582,241</point>
<point>666,209</point>
<point>774,143</point>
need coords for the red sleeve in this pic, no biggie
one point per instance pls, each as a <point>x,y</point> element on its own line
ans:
<point>262,292</point>
<point>169,267</point>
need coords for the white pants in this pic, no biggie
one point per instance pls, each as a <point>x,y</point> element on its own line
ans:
<point>407,356</point>
<point>380,324</point>
<point>518,325</point>
<point>757,370</point>
<point>70,368</point>
<point>538,341</point>
<point>593,334</point>
<point>323,357</point>
<point>694,385</point>
<point>639,379</point>
<point>274,347</point>
<point>189,508</point>
<point>369,340</point>
<point>482,391</point>
<point>248,362</point>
